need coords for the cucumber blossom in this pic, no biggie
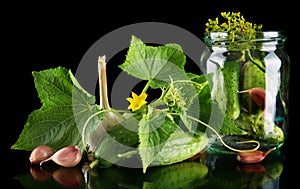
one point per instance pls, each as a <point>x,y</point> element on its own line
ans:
<point>231,75</point>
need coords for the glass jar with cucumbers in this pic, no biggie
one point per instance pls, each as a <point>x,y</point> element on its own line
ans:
<point>249,85</point>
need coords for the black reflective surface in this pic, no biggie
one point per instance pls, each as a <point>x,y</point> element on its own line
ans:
<point>203,171</point>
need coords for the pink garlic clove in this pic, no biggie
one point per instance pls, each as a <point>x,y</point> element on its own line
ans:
<point>40,153</point>
<point>253,156</point>
<point>258,95</point>
<point>68,156</point>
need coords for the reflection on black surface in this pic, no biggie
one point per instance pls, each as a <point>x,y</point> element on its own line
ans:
<point>52,177</point>
<point>226,172</point>
<point>39,174</point>
<point>181,175</point>
<point>203,171</point>
<point>68,177</point>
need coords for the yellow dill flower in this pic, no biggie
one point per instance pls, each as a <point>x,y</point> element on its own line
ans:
<point>136,102</point>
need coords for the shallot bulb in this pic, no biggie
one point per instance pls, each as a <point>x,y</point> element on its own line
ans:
<point>68,156</point>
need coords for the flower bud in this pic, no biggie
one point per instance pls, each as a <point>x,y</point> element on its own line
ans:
<point>40,153</point>
<point>68,156</point>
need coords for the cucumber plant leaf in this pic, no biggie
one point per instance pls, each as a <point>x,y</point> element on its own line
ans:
<point>155,128</point>
<point>64,102</point>
<point>121,139</point>
<point>154,63</point>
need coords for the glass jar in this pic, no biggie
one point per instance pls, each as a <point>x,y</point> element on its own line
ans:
<point>250,86</point>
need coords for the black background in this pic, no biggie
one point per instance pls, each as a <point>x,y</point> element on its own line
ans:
<point>42,36</point>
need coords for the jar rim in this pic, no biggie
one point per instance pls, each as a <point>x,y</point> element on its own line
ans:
<point>262,34</point>
<point>260,37</point>
<point>267,40</point>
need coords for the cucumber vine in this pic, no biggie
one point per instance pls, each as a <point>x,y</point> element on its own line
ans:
<point>161,100</point>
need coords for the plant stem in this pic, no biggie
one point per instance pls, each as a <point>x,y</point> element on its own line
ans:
<point>254,61</point>
<point>128,154</point>
<point>283,103</point>
<point>229,147</point>
<point>85,125</point>
<point>201,85</point>
<point>146,87</point>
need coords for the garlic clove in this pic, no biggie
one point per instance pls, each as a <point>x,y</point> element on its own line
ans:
<point>253,156</point>
<point>68,156</point>
<point>40,153</point>
<point>104,104</point>
<point>259,95</point>
<point>110,119</point>
<point>250,158</point>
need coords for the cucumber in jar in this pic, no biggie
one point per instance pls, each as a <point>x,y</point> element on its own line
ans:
<point>227,85</point>
<point>253,76</point>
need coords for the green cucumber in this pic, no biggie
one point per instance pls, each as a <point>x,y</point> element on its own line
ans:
<point>231,74</point>
<point>255,126</point>
<point>180,146</point>
<point>252,76</point>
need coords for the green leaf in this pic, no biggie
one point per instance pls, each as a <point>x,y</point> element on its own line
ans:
<point>204,97</point>
<point>65,108</point>
<point>85,110</point>
<point>192,107</point>
<point>210,113</point>
<point>155,129</point>
<point>156,64</point>
<point>189,98</point>
<point>121,139</point>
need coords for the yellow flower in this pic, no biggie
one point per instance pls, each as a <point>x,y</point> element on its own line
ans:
<point>137,101</point>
